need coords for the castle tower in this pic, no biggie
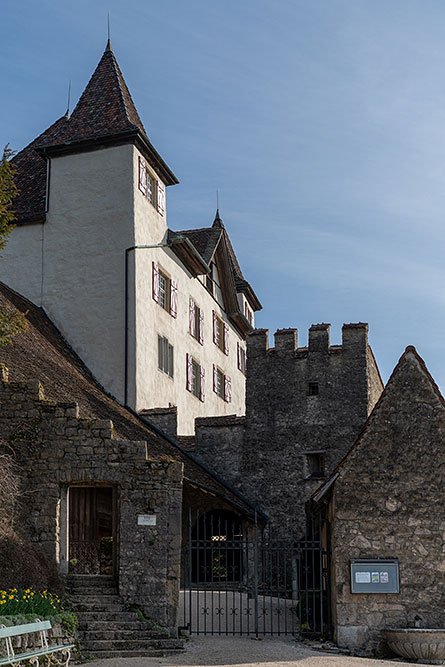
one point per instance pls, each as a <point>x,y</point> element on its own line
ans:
<point>305,407</point>
<point>159,317</point>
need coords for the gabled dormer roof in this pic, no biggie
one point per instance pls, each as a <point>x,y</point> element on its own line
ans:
<point>105,115</point>
<point>198,248</point>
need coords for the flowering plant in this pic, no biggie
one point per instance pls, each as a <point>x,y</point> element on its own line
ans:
<point>14,602</point>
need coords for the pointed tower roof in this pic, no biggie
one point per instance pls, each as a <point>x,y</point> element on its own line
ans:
<point>105,106</point>
<point>105,114</point>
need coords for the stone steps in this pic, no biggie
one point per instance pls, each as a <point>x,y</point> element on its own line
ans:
<point>124,624</point>
<point>107,628</point>
<point>132,645</point>
<point>142,653</point>
<point>118,635</point>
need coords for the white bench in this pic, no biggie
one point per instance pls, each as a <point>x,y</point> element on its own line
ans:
<point>61,652</point>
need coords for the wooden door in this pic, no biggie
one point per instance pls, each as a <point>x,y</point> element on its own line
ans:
<point>91,530</point>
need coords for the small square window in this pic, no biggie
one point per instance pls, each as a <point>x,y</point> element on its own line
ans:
<point>315,465</point>
<point>313,389</point>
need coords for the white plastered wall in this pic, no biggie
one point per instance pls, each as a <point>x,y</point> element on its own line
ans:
<point>21,262</point>
<point>89,225</point>
<point>155,388</point>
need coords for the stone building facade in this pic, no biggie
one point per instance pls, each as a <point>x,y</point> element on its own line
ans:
<point>387,502</point>
<point>304,408</point>
<point>57,452</point>
<point>159,316</point>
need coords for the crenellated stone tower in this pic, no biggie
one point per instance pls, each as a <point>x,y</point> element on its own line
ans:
<point>305,406</point>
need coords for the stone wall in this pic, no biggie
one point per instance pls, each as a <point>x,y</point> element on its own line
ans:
<point>388,502</point>
<point>55,449</point>
<point>304,409</point>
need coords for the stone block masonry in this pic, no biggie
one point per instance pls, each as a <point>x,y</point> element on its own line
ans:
<point>56,450</point>
<point>305,407</point>
<point>388,502</point>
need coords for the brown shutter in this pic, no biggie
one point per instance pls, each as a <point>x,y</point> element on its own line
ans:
<point>215,324</point>
<point>238,355</point>
<point>189,371</point>
<point>226,339</point>
<point>173,298</point>
<point>201,327</point>
<point>227,389</point>
<point>192,323</point>
<point>142,177</point>
<point>202,384</point>
<point>215,378</point>
<point>155,286</point>
<point>161,198</point>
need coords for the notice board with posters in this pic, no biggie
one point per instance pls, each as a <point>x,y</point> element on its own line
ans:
<point>374,576</point>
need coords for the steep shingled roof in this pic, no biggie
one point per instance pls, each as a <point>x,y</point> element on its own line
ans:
<point>105,106</point>
<point>42,354</point>
<point>30,176</point>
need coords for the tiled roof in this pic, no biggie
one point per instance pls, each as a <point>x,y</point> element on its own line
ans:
<point>30,176</point>
<point>205,240</point>
<point>105,107</point>
<point>42,354</point>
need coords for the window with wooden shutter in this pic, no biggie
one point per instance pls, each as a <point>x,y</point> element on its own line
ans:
<point>215,378</point>
<point>173,298</point>
<point>149,185</point>
<point>220,334</point>
<point>241,358</point>
<point>201,327</point>
<point>226,339</point>
<point>165,356</point>
<point>189,371</point>
<point>192,323</point>
<point>161,198</point>
<point>227,389</point>
<point>142,177</point>
<point>202,384</point>
<point>215,327</point>
<point>155,282</point>
<point>195,378</point>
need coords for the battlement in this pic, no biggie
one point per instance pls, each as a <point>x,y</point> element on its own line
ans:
<point>354,340</point>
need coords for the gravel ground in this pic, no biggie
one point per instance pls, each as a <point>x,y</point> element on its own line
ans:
<point>249,652</point>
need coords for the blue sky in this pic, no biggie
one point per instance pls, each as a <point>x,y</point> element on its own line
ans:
<point>321,122</point>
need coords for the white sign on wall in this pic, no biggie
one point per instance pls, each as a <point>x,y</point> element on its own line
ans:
<point>146,519</point>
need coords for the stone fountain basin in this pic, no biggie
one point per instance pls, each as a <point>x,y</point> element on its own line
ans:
<point>425,645</point>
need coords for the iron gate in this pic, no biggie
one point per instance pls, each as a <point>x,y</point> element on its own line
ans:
<point>236,582</point>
